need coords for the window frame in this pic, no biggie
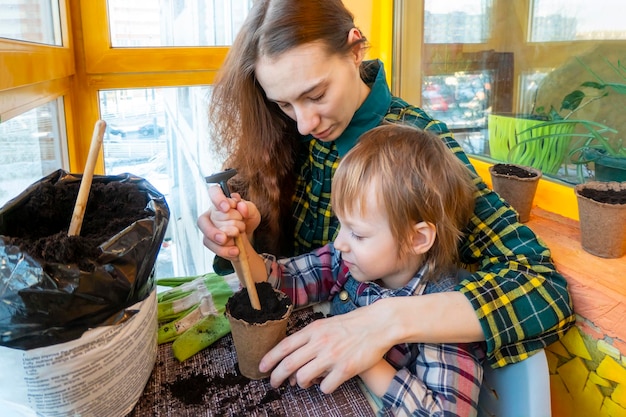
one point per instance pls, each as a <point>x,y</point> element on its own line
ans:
<point>101,57</point>
<point>49,70</point>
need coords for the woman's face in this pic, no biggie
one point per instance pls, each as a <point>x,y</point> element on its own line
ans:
<point>321,92</point>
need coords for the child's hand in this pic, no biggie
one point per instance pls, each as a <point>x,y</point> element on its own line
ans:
<point>378,377</point>
<point>250,215</point>
<point>225,219</point>
<point>233,218</point>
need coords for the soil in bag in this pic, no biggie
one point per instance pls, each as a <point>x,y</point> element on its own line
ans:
<point>53,286</point>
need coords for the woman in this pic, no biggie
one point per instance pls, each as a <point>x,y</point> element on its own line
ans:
<point>292,98</point>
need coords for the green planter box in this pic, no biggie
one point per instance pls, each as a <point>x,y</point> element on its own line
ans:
<point>547,154</point>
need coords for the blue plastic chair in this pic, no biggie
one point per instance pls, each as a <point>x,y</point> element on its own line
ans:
<point>518,390</point>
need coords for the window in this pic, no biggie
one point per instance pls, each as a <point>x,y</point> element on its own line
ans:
<point>149,23</point>
<point>566,20</point>
<point>160,134</point>
<point>475,59</point>
<point>456,21</point>
<point>30,148</point>
<point>151,65</point>
<point>31,20</point>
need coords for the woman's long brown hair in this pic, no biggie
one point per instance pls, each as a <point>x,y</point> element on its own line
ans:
<point>252,133</point>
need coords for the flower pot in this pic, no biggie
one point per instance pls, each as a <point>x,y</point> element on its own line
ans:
<point>546,153</point>
<point>609,168</point>
<point>602,213</point>
<point>606,167</point>
<point>517,185</point>
<point>256,332</point>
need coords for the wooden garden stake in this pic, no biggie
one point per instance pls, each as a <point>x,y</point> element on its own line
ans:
<point>85,183</point>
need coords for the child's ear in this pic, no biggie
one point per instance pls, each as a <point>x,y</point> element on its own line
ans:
<point>424,235</point>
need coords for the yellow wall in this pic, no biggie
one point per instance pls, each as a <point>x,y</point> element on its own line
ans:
<point>375,20</point>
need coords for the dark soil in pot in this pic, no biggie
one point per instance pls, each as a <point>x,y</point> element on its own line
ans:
<point>517,185</point>
<point>605,196</point>
<point>602,214</point>
<point>272,307</point>
<point>256,332</point>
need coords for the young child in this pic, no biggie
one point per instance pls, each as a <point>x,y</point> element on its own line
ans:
<point>401,198</point>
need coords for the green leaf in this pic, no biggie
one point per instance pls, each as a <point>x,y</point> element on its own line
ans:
<point>593,84</point>
<point>620,88</point>
<point>572,100</point>
<point>554,115</point>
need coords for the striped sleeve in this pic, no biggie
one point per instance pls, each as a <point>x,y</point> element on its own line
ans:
<point>307,279</point>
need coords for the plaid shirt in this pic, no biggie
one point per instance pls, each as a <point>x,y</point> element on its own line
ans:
<point>430,379</point>
<point>521,300</point>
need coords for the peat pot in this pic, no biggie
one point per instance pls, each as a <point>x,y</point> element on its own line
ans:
<point>517,185</point>
<point>256,332</point>
<point>602,214</point>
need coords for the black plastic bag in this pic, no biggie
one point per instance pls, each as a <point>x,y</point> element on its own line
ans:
<point>60,286</point>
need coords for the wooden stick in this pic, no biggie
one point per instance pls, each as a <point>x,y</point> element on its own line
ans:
<point>85,183</point>
<point>247,275</point>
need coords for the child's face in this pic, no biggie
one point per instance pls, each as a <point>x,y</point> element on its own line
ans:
<point>369,249</point>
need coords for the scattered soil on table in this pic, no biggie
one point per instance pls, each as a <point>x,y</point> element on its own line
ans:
<point>272,307</point>
<point>605,196</point>
<point>232,393</point>
<point>229,392</point>
<point>190,390</point>
<point>40,226</point>
<point>299,323</point>
<point>513,171</point>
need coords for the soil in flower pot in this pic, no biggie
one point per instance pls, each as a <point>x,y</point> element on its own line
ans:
<point>254,331</point>
<point>602,214</point>
<point>517,185</point>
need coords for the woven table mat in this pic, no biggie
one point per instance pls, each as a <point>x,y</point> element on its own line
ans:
<point>209,384</point>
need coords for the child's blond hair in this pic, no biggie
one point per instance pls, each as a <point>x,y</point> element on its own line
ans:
<point>417,178</point>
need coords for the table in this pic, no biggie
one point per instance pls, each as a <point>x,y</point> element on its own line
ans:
<point>209,384</point>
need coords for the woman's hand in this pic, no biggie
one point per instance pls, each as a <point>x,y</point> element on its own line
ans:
<point>226,219</point>
<point>332,350</point>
